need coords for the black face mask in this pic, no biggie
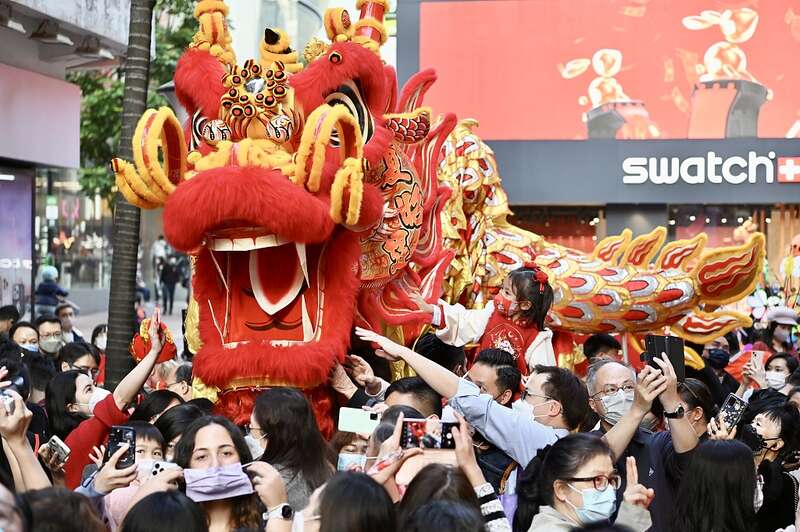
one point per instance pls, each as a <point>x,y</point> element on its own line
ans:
<point>754,440</point>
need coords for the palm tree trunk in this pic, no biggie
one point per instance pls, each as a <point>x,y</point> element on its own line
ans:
<point>121,313</point>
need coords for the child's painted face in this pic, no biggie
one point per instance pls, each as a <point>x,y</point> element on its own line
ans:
<point>147,449</point>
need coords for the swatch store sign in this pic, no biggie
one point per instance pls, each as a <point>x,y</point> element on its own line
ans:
<point>712,169</point>
<point>743,171</point>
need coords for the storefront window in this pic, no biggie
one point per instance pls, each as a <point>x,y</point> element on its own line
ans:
<point>573,227</point>
<point>16,189</point>
<point>73,231</point>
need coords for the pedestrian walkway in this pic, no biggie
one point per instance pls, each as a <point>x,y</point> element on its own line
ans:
<point>87,322</point>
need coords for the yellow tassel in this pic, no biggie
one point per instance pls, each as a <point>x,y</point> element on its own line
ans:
<point>348,176</point>
<point>316,136</point>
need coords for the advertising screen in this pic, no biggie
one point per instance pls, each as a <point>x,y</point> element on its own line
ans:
<point>624,69</point>
<point>16,189</point>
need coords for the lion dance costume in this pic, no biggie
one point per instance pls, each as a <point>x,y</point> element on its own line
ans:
<point>312,198</point>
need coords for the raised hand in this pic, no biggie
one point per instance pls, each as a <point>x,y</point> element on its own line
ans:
<point>267,483</point>
<point>465,453</point>
<point>423,305</point>
<point>669,397</point>
<point>720,430</point>
<point>650,384</point>
<point>14,423</point>
<point>635,493</point>
<point>391,456</point>
<point>388,349</point>
<point>360,371</point>
<point>110,478</point>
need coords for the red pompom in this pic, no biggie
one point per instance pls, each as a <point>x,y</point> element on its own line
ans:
<point>140,345</point>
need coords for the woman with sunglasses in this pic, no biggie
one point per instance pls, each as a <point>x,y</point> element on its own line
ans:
<point>573,483</point>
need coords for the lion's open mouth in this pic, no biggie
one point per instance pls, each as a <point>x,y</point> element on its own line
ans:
<point>272,288</point>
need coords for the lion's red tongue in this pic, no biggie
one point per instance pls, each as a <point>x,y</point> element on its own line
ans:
<point>276,275</point>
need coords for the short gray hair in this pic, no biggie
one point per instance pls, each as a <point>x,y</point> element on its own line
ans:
<point>594,369</point>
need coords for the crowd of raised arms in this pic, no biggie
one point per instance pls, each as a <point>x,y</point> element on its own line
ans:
<point>494,437</point>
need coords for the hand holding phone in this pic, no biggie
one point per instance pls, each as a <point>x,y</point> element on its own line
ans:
<point>672,346</point>
<point>54,453</point>
<point>427,434</point>
<point>119,436</point>
<point>732,410</point>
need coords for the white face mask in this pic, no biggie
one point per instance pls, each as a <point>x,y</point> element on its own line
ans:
<point>526,410</point>
<point>97,395</point>
<point>100,342</point>
<point>254,445</point>
<point>617,405</point>
<point>775,379</point>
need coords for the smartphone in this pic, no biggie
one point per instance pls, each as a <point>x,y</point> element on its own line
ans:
<point>160,467</point>
<point>57,448</point>
<point>119,436</point>
<point>672,346</point>
<point>358,420</point>
<point>427,434</point>
<point>757,359</point>
<point>732,410</point>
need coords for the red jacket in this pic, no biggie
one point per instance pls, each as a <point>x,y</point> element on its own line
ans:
<point>92,432</point>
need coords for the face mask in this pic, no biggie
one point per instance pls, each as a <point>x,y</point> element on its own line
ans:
<point>50,345</point>
<point>781,335</point>
<point>617,405</point>
<point>100,342</point>
<point>31,348</point>
<point>217,483</point>
<point>526,410</point>
<point>254,445</point>
<point>98,394</point>
<point>775,379</point>
<point>754,440</point>
<point>597,505</point>
<point>351,462</point>
<point>505,306</point>
<point>68,337</point>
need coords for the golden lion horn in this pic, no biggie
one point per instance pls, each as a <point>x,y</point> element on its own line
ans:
<point>158,137</point>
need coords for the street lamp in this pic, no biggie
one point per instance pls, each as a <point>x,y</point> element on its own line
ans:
<point>167,90</point>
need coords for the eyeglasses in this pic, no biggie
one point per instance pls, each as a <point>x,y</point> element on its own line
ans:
<point>48,336</point>
<point>611,389</point>
<point>600,482</point>
<point>525,394</point>
<point>251,430</point>
<point>93,372</point>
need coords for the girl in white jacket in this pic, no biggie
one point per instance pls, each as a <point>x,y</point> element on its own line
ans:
<point>513,321</point>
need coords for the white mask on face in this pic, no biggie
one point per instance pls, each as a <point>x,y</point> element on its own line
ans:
<point>100,342</point>
<point>775,379</point>
<point>97,395</point>
<point>617,405</point>
<point>527,410</point>
<point>254,445</point>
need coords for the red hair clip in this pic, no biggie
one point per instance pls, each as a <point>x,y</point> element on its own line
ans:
<point>538,274</point>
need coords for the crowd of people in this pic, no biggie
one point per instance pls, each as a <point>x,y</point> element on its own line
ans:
<point>531,446</point>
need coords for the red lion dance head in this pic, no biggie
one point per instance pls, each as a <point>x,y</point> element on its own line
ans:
<point>298,190</point>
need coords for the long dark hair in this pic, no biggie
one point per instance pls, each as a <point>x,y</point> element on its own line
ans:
<point>246,508</point>
<point>293,440</point>
<point>356,503</point>
<point>539,294</point>
<point>172,510</point>
<point>717,489</point>
<point>61,392</point>
<point>436,482</point>
<point>561,460</point>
